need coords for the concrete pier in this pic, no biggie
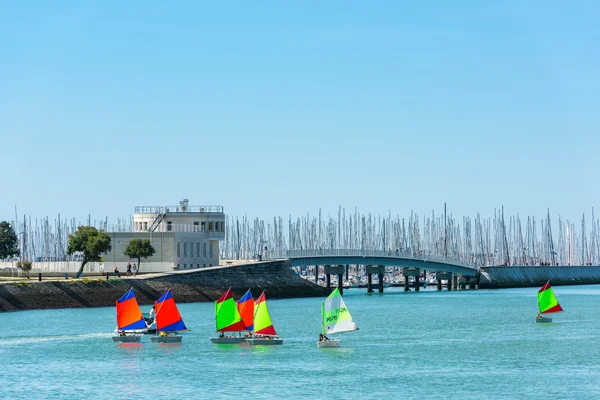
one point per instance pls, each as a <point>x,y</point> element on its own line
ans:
<point>335,270</point>
<point>379,270</point>
<point>369,283</point>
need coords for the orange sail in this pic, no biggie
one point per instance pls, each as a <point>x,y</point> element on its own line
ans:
<point>168,318</point>
<point>129,315</point>
<point>246,309</point>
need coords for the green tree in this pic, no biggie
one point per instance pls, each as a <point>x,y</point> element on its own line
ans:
<point>25,266</point>
<point>9,244</point>
<point>139,248</point>
<point>91,242</point>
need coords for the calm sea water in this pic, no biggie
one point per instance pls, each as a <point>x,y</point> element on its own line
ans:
<point>435,345</point>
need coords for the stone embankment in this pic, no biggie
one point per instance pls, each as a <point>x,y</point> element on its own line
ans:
<point>510,277</point>
<point>207,284</point>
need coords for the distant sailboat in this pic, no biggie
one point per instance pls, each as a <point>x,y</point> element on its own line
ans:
<point>228,319</point>
<point>129,318</point>
<point>547,303</point>
<point>264,331</point>
<point>168,320</point>
<point>336,319</point>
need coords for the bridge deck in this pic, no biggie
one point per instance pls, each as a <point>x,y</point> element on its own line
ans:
<point>377,257</point>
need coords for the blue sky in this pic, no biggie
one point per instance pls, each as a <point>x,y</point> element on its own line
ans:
<point>278,108</point>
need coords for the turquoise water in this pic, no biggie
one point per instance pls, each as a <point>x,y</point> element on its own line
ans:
<point>435,345</point>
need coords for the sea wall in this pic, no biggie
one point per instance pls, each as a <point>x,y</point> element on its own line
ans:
<point>208,284</point>
<point>508,277</point>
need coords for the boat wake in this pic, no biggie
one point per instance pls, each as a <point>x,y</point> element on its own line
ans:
<point>54,338</point>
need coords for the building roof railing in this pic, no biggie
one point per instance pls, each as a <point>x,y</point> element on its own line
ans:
<point>178,209</point>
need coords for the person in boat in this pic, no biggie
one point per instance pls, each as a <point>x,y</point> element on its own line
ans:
<point>323,338</point>
<point>539,316</point>
<point>221,334</point>
<point>152,315</point>
<point>122,333</point>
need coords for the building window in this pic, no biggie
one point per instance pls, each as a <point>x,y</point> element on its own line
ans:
<point>203,227</point>
<point>185,249</point>
<point>169,226</point>
<point>196,226</point>
<point>210,246</point>
<point>210,226</point>
<point>204,249</point>
<point>204,265</point>
<point>198,250</point>
<point>178,249</point>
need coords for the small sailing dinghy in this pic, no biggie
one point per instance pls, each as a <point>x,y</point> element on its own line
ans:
<point>129,319</point>
<point>336,319</point>
<point>547,304</point>
<point>168,320</point>
<point>228,319</point>
<point>264,331</point>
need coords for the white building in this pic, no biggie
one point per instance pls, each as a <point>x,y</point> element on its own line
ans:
<point>184,237</point>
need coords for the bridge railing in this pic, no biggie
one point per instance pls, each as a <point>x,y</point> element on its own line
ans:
<point>375,253</point>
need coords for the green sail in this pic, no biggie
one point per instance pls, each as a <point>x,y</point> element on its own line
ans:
<point>262,318</point>
<point>336,317</point>
<point>228,317</point>
<point>547,301</point>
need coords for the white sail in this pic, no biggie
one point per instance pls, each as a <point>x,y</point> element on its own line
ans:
<point>336,317</point>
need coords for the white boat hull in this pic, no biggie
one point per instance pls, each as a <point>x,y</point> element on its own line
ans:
<point>126,339</point>
<point>166,339</point>
<point>543,320</point>
<point>328,344</point>
<point>150,329</point>
<point>264,342</point>
<point>228,340</point>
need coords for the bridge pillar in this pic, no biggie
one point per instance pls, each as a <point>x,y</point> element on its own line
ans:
<point>347,272</point>
<point>439,284</point>
<point>328,277</point>
<point>316,274</point>
<point>369,283</point>
<point>380,276</point>
<point>417,285</point>
<point>406,288</point>
<point>341,283</point>
<point>454,281</point>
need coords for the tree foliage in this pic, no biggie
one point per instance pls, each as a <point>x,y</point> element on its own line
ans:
<point>9,244</point>
<point>139,248</point>
<point>90,242</point>
<point>25,266</point>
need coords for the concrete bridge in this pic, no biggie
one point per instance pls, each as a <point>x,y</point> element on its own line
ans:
<point>334,261</point>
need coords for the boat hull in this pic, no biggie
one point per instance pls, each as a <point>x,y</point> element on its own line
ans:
<point>264,342</point>
<point>126,339</point>
<point>166,339</point>
<point>228,340</point>
<point>543,320</point>
<point>151,329</point>
<point>328,344</point>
